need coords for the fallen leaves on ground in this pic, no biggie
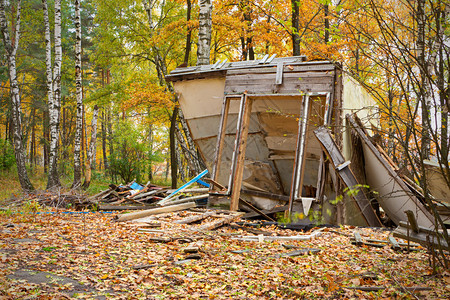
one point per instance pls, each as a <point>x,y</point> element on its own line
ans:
<point>118,261</point>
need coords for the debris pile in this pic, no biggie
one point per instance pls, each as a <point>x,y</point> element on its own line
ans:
<point>134,196</point>
<point>58,199</point>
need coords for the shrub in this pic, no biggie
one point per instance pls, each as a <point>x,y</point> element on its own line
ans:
<point>7,158</point>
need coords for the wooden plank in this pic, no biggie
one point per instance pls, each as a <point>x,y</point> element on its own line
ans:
<point>271,58</point>
<point>420,238</point>
<point>394,244</point>
<point>196,218</point>
<point>264,59</point>
<point>297,89</point>
<point>279,76</point>
<point>420,228</point>
<point>358,239</point>
<point>154,211</point>
<point>267,79</point>
<point>305,237</point>
<point>123,207</point>
<point>347,176</point>
<point>220,222</point>
<point>187,199</point>
<point>288,67</point>
<point>148,194</point>
<point>220,139</point>
<point>242,145</point>
<point>237,141</point>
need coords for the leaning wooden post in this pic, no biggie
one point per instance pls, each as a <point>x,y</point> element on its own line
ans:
<point>220,140</point>
<point>240,159</point>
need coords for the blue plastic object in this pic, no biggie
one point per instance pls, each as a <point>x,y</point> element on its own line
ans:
<point>136,186</point>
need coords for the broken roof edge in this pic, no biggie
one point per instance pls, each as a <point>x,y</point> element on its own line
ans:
<point>219,69</point>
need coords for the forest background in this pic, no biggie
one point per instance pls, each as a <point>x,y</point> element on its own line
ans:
<point>83,96</point>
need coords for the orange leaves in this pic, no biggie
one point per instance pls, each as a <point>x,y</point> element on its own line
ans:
<point>146,94</point>
<point>104,256</point>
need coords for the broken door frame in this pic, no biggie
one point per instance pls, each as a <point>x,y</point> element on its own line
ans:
<point>242,126</point>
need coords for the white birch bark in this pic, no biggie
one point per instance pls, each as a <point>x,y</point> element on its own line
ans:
<point>204,32</point>
<point>79,96</point>
<point>48,55</point>
<point>11,51</point>
<point>54,112</point>
<point>92,149</point>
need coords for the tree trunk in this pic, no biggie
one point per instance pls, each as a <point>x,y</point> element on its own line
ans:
<point>244,49</point>
<point>295,28</point>
<point>79,96</point>
<point>55,110</point>
<point>204,32</point>
<point>190,149</point>
<point>92,149</point>
<point>327,24</point>
<point>189,33</point>
<point>46,138</point>
<point>105,157</point>
<point>420,19</point>
<point>173,150</point>
<point>11,50</point>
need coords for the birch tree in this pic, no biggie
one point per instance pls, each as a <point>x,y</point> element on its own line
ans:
<point>204,32</point>
<point>92,149</point>
<point>79,96</point>
<point>55,108</point>
<point>11,51</point>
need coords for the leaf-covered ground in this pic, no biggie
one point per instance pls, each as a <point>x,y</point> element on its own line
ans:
<point>75,255</point>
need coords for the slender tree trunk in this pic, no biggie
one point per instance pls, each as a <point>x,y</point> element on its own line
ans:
<point>173,151</point>
<point>204,32</point>
<point>79,96</point>
<point>295,28</point>
<point>55,110</point>
<point>11,51</point>
<point>92,149</point>
<point>189,33</point>
<point>49,76</point>
<point>46,138</point>
<point>33,136</point>
<point>105,157</point>
<point>244,48</point>
<point>327,24</point>
<point>150,154</point>
<point>191,149</point>
<point>420,19</point>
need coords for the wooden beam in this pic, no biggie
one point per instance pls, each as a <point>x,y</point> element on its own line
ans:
<point>240,159</point>
<point>154,211</point>
<point>236,142</point>
<point>196,218</point>
<point>346,174</point>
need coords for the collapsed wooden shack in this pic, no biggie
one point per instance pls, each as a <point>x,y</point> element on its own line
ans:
<point>254,122</point>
